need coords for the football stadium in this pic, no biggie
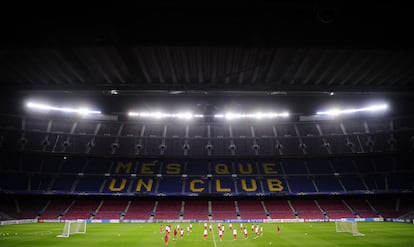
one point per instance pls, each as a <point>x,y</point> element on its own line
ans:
<point>263,123</point>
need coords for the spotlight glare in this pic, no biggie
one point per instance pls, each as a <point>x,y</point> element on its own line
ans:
<point>336,112</point>
<point>285,114</point>
<point>185,115</point>
<point>256,115</point>
<point>159,115</point>
<point>82,111</point>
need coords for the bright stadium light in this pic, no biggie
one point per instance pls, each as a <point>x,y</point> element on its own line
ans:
<point>336,112</point>
<point>256,115</point>
<point>45,107</point>
<point>285,114</point>
<point>185,115</point>
<point>159,115</point>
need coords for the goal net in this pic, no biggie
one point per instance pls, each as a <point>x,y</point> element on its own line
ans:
<point>348,226</point>
<point>73,227</point>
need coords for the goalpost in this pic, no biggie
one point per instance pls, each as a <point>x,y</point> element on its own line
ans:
<point>348,226</point>
<point>73,227</point>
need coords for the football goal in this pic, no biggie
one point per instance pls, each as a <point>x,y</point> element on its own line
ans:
<point>73,227</point>
<point>349,227</point>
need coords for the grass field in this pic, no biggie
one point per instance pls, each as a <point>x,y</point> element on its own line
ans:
<point>129,235</point>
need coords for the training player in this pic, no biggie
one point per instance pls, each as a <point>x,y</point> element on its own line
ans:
<point>231,226</point>
<point>191,227</point>
<point>211,227</point>
<point>252,228</point>
<point>205,234</point>
<point>256,231</point>
<point>181,233</point>
<point>205,226</point>
<point>175,233</point>
<point>221,234</point>
<point>234,234</point>
<point>167,230</point>
<point>245,233</point>
<point>166,239</point>
<point>241,227</point>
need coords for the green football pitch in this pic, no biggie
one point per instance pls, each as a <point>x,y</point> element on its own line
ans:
<point>129,235</point>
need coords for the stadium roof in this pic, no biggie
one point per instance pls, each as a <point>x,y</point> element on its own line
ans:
<point>248,48</point>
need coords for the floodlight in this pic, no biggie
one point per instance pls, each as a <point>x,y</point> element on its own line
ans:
<point>230,115</point>
<point>256,115</point>
<point>133,114</point>
<point>39,106</point>
<point>185,115</point>
<point>159,115</point>
<point>372,108</point>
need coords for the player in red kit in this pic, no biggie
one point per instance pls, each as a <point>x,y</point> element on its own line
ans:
<point>175,233</point>
<point>205,234</point>
<point>278,230</point>
<point>166,239</point>
<point>234,234</point>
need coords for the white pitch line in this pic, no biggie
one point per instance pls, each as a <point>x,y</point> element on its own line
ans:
<point>214,238</point>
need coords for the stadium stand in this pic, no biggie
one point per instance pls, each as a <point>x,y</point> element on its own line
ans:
<point>169,210</point>
<point>362,208</point>
<point>280,209</point>
<point>221,210</point>
<point>56,208</point>
<point>335,209</point>
<point>139,210</point>
<point>196,210</point>
<point>307,209</point>
<point>335,169</point>
<point>251,209</point>
<point>111,209</point>
<point>81,209</point>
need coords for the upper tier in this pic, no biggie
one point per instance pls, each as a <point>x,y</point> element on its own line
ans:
<point>193,139</point>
